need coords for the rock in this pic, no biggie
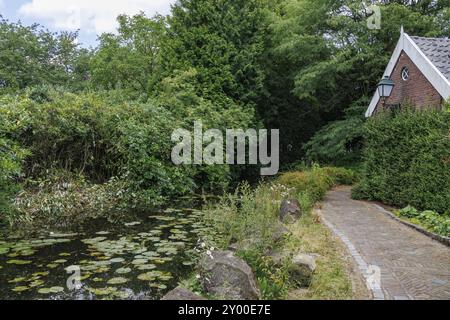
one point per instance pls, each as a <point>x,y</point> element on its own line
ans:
<point>302,269</point>
<point>226,276</point>
<point>280,232</point>
<point>290,211</point>
<point>179,294</point>
<point>279,258</point>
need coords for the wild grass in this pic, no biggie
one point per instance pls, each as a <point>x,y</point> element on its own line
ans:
<point>248,218</point>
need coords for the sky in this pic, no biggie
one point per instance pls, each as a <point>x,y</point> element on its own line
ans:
<point>91,17</point>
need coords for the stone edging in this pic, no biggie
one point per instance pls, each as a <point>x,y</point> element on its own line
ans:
<point>363,267</point>
<point>441,239</point>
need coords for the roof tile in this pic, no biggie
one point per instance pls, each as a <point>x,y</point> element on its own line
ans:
<point>438,51</point>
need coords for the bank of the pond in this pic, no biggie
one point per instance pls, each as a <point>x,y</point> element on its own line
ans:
<point>248,222</point>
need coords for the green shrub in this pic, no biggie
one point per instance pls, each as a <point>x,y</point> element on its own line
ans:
<point>407,160</point>
<point>340,142</point>
<point>431,220</point>
<point>317,181</point>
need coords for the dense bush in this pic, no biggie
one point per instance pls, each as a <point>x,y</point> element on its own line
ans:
<point>407,160</point>
<point>340,142</point>
<point>101,136</point>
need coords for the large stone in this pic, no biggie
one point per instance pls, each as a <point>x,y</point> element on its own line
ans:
<point>290,211</point>
<point>180,294</point>
<point>280,232</point>
<point>225,276</point>
<point>302,269</point>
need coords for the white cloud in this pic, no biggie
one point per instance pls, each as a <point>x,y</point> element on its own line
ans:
<point>92,16</point>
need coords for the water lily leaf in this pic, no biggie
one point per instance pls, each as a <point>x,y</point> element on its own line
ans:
<point>145,267</point>
<point>139,261</point>
<point>132,224</point>
<point>117,260</point>
<point>146,277</point>
<point>103,291</point>
<point>62,235</point>
<point>18,262</point>
<point>36,283</point>
<point>123,270</point>
<point>52,265</point>
<point>98,280</point>
<point>118,280</point>
<point>64,254</point>
<point>20,289</point>
<point>41,274</point>
<point>51,290</point>
<point>60,261</point>
<point>102,233</point>
<point>16,280</point>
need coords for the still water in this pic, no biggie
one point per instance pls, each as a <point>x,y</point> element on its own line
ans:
<point>141,258</point>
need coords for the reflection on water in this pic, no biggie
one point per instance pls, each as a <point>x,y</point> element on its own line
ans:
<point>143,258</point>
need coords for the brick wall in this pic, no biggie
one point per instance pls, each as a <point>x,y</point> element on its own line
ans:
<point>417,89</point>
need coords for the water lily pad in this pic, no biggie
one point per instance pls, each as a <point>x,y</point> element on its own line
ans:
<point>123,270</point>
<point>117,280</point>
<point>51,290</point>
<point>20,289</point>
<point>64,254</point>
<point>36,283</point>
<point>102,233</point>
<point>103,291</point>
<point>18,262</point>
<point>62,235</point>
<point>145,267</point>
<point>139,261</point>
<point>52,265</point>
<point>117,260</point>
<point>41,274</point>
<point>16,280</point>
<point>60,261</point>
<point>147,276</point>
<point>132,224</point>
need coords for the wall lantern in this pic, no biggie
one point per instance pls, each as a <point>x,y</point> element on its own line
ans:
<point>385,88</point>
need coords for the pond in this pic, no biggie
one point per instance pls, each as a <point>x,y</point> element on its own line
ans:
<point>142,258</point>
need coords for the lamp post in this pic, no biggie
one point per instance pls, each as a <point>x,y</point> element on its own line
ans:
<point>385,88</point>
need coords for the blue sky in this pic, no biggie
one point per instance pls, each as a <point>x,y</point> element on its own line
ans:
<point>92,17</point>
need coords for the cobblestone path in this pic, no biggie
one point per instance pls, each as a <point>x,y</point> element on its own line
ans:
<point>412,265</point>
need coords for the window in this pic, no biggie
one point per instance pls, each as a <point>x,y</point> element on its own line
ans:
<point>405,74</point>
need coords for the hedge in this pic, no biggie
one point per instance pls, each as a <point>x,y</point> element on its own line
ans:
<point>407,160</point>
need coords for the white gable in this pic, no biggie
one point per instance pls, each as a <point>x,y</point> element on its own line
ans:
<point>428,69</point>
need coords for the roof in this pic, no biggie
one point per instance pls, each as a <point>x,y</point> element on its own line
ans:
<point>432,58</point>
<point>438,51</point>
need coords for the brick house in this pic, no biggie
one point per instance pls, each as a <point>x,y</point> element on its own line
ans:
<point>420,70</point>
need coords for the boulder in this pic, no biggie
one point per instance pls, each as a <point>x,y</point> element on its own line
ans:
<point>290,211</point>
<point>179,294</point>
<point>280,232</point>
<point>302,269</point>
<point>225,276</point>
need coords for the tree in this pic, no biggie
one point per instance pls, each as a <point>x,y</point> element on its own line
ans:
<point>31,56</point>
<point>131,59</point>
<point>224,41</point>
<point>324,57</point>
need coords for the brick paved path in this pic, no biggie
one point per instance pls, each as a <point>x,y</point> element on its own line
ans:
<point>412,265</point>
